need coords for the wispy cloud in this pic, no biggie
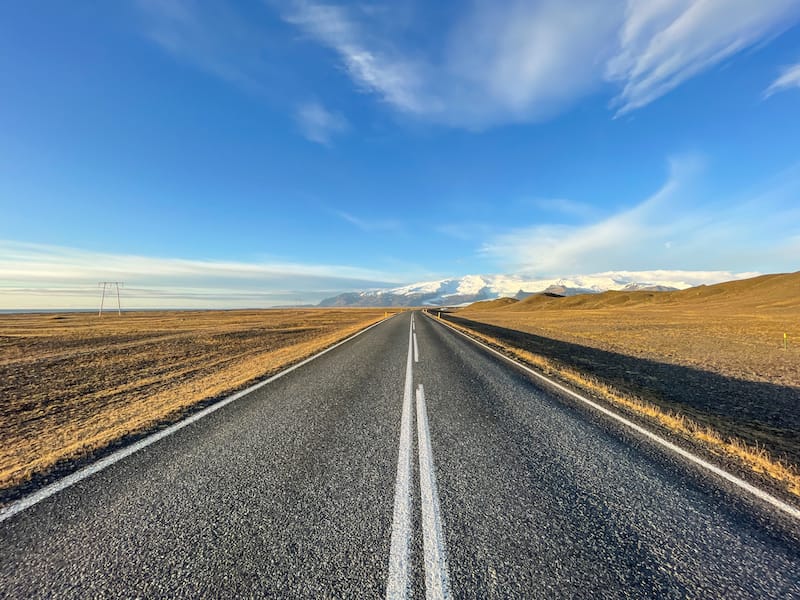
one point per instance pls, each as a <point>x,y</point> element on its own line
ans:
<point>789,78</point>
<point>34,275</point>
<point>370,225</point>
<point>663,43</point>
<point>526,61</point>
<point>211,36</point>
<point>667,229</point>
<point>318,124</point>
<point>373,68</point>
<point>490,63</point>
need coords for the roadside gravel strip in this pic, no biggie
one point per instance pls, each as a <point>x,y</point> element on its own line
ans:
<point>408,462</point>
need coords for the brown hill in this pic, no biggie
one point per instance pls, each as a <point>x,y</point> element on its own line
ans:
<point>766,292</point>
<point>491,304</point>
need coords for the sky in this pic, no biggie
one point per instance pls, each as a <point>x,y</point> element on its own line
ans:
<point>260,153</point>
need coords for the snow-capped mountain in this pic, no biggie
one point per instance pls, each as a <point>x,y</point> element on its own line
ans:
<point>472,288</point>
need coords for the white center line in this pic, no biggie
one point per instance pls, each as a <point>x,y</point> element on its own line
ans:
<point>437,580</point>
<point>416,349</point>
<point>397,584</point>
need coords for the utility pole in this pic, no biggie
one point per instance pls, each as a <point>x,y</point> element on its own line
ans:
<point>110,285</point>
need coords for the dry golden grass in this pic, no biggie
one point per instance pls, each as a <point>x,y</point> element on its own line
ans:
<point>735,329</point>
<point>73,384</point>
<point>750,457</point>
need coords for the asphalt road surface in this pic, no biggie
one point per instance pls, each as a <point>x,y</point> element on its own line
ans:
<point>407,462</point>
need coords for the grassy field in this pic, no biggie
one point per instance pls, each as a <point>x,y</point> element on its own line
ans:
<point>714,355</point>
<point>735,329</point>
<point>73,384</point>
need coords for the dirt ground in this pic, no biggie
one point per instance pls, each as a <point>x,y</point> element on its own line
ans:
<point>74,384</point>
<point>744,346</point>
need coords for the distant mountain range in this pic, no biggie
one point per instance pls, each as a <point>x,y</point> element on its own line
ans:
<point>474,288</point>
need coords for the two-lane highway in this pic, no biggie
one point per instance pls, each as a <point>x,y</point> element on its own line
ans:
<point>406,462</point>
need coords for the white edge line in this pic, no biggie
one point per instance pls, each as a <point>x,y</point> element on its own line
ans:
<point>26,502</point>
<point>741,483</point>
<point>437,578</point>
<point>399,546</point>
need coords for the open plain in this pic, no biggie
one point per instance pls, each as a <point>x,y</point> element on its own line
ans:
<point>74,384</point>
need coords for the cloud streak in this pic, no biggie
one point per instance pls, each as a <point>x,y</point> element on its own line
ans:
<point>41,276</point>
<point>789,78</point>
<point>374,69</point>
<point>667,230</point>
<point>527,61</point>
<point>490,63</point>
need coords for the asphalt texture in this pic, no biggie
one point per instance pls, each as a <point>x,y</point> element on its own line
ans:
<point>289,492</point>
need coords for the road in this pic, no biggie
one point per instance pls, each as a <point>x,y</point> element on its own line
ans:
<point>407,461</point>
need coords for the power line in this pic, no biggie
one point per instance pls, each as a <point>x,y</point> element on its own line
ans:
<point>110,286</point>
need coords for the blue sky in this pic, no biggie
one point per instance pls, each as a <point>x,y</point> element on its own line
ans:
<point>256,153</point>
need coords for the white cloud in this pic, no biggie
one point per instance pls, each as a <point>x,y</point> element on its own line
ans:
<point>394,78</point>
<point>318,124</point>
<point>488,63</point>
<point>668,230</point>
<point>665,42</point>
<point>41,276</point>
<point>529,60</point>
<point>789,78</point>
<point>519,61</point>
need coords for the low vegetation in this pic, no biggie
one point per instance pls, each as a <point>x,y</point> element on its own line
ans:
<point>73,384</point>
<point>735,329</point>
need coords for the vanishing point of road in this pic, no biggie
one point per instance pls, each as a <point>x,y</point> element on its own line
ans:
<point>407,462</point>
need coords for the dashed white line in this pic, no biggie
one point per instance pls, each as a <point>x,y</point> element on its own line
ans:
<point>397,583</point>
<point>416,349</point>
<point>437,579</point>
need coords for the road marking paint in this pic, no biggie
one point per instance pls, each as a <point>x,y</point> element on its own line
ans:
<point>397,583</point>
<point>437,579</point>
<point>492,582</point>
<point>47,491</point>
<point>416,349</point>
<point>738,482</point>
